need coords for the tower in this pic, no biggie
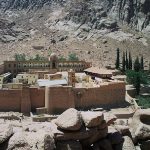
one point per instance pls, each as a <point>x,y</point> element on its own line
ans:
<point>71,78</point>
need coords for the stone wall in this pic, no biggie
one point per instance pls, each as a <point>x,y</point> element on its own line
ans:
<point>37,97</point>
<point>10,100</point>
<point>60,98</point>
<point>106,95</point>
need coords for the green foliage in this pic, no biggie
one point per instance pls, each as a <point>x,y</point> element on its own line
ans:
<point>127,61</point>
<point>123,63</point>
<point>137,65</point>
<point>136,78</point>
<point>144,102</point>
<point>49,52</point>
<point>118,59</point>
<point>142,63</point>
<point>130,61</point>
<point>73,57</point>
<point>20,57</point>
<point>62,58</point>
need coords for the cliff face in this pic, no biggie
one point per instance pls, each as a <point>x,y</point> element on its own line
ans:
<point>135,13</point>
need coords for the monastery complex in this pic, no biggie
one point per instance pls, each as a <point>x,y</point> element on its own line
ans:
<point>54,86</point>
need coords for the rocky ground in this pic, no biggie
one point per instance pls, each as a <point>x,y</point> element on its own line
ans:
<point>92,29</point>
<point>74,130</point>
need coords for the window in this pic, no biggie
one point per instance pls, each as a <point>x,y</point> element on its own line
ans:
<point>9,65</point>
<point>14,65</point>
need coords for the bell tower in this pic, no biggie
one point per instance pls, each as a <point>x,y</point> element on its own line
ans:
<point>71,78</point>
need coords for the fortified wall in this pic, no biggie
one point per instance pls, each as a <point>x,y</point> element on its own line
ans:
<point>22,100</point>
<point>58,99</point>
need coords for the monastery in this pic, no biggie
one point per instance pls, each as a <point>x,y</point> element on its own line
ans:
<point>54,86</point>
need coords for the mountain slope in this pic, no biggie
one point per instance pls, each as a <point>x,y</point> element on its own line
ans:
<point>91,28</point>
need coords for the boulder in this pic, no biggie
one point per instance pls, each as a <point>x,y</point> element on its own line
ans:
<point>18,142</point>
<point>69,120</point>
<point>124,130</point>
<point>92,119</point>
<point>140,125</point>
<point>89,135</point>
<point>114,136</point>
<point>110,118</point>
<point>68,145</point>
<point>128,143</point>
<point>6,131</point>
<point>105,144</point>
<point>40,140</point>
<point>95,135</point>
<point>145,145</point>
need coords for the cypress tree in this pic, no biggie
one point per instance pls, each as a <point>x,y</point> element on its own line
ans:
<point>127,61</point>
<point>137,65</point>
<point>123,63</point>
<point>130,61</point>
<point>142,63</point>
<point>118,59</point>
<point>137,84</point>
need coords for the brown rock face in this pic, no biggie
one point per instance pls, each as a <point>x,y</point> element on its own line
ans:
<point>92,119</point>
<point>69,120</point>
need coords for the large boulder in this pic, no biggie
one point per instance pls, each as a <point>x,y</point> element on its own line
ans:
<point>114,136</point>
<point>140,125</point>
<point>124,130</point>
<point>18,142</point>
<point>128,143</point>
<point>6,131</point>
<point>68,145</point>
<point>69,120</point>
<point>89,135</point>
<point>105,144</point>
<point>109,118</point>
<point>92,119</point>
<point>40,140</point>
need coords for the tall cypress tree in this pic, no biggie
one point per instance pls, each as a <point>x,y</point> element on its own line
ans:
<point>142,63</point>
<point>127,61</point>
<point>130,61</point>
<point>137,65</point>
<point>123,63</point>
<point>118,59</point>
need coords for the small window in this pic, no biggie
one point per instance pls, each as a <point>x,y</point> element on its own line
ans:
<point>9,65</point>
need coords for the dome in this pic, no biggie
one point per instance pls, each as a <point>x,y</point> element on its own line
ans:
<point>53,57</point>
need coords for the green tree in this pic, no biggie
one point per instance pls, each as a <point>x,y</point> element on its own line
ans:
<point>137,65</point>
<point>130,61</point>
<point>20,57</point>
<point>127,61</point>
<point>123,63</point>
<point>136,78</point>
<point>62,58</point>
<point>118,59</point>
<point>142,63</point>
<point>73,57</point>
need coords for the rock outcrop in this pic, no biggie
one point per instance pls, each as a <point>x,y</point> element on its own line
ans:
<point>96,14</point>
<point>5,132</point>
<point>69,120</point>
<point>94,133</point>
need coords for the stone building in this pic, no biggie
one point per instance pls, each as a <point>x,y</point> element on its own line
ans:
<point>53,63</point>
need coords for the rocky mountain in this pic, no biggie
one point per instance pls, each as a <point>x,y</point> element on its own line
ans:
<point>135,13</point>
<point>73,24</point>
